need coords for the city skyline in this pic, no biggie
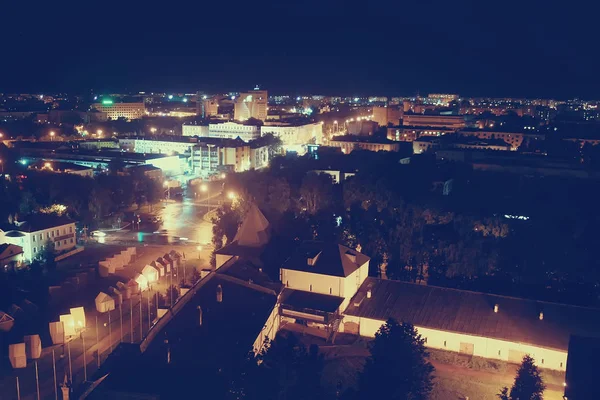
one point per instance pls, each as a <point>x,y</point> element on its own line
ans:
<point>474,50</point>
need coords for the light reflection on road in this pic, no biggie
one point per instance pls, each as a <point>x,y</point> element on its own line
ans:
<point>184,220</point>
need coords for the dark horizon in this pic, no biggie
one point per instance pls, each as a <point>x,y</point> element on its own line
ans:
<point>329,48</point>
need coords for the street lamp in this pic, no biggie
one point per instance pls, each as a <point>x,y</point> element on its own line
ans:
<point>231,196</point>
<point>204,188</point>
<point>223,175</point>
<point>153,130</point>
<point>2,166</point>
<point>199,248</point>
<point>99,132</point>
<point>51,136</point>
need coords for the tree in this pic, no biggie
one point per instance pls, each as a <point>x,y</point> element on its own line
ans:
<point>47,256</point>
<point>528,383</point>
<point>397,368</point>
<point>316,192</point>
<point>285,369</point>
<point>171,294</point>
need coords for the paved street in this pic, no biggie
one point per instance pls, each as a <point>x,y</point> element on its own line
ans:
<point>182,229</point>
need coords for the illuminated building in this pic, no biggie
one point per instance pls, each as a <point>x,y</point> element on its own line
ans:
<point>121,110</point>
<point>62,168</point>
<point>233,130</point>
<point>387,115</point>
<point>294,136</point>
<point>213,155</point>
<point>349,143</point>
<point>434,120</point>
<point>38,230</point>
<point>515,139</point>
<point>252,104</point>
<point>169,145</point>
<point>194,130</point>
<point>208,107</point>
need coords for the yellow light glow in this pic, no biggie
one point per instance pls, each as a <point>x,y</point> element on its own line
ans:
<point>231,196</point>
<point>204,188</point>
<point>68,324</point>
<point>51,133</point>
<point>223,176</point>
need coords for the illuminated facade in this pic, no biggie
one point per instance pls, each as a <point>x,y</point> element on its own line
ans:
<point>294,135</point>
<point>387,115</point>
<point>434,121</point>
<point>121,110</point>
<point>252,104</point>
<point>233,130</point>
<point>211,156</point>
<point>32,235</point>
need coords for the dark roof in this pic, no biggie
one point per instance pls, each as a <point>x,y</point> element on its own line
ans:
<point>299,299</point>
<point>581,376</point>
<point>235,249</point>
<point>144,167</point>
<point>472,313</point>
<point>331,259</point>
<point>37,222</point>
<point>246,271</point>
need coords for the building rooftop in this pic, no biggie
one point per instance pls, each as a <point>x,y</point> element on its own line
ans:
<point>517,320</point>
<point>59,166</point>
<point>36,222</point>
<point>326,259</point>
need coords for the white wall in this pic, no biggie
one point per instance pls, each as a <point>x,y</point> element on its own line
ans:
<point>32,247</point>
<point>353,282</point>
<point>300,280</point>
<point>482,346</point>
<point>269,330</point>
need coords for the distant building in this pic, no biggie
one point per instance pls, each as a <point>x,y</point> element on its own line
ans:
<point>58,167</point>
<point>294,137</point>
<point>38,230</point>
<point>252,104</point>
<point>387,115</point>
<point>435,121</point>
<point>169,145</point>
<point>150,171</point>
<point>515,139</point>
<point>213,155</point>
<point>74,116</point>
<point>98,144</point>
<point>128,111</point>
<point>208,107</point>
<point>194,130</point>
<point>348,143</point>
<point>233,130</point>
<point>412,133</point>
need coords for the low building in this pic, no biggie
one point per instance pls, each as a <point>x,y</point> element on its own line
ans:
<point>114,110</point>
<point>474,324</point>
<point>98,144</point>
<point>150,171</point>
<point>59,167</point>
<point>11,257</point>
<point>36,231</point>
<point>349,143</point>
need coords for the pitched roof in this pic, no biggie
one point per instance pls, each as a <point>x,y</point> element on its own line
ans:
<point>517,320</point>
<point>8,250</point>
<point>37,222</point>
<point>254,231</point>
<point>326,259</point>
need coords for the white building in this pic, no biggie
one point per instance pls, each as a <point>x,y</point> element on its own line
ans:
<point>194,130</point>
<point>326,269</point>
<point>252,104</point>
<point>233,130</point>
<point>213,155</point>
<point>294,137</point>
<point>121,110</point>
<point>39,229</point>
<point>169,145</point>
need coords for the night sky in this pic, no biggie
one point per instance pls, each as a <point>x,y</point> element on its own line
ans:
<point>483,48</point>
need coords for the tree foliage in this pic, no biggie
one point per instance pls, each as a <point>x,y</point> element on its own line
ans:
<point>398,368</point>
<point>528,383</point>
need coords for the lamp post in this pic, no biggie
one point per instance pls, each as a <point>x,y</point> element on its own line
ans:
<point>51,136</point>
<point>2,166</point>
<point>204,188</point>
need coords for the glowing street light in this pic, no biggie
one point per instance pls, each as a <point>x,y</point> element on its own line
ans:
<point>51,136</point>
<point>231,196</point>
<point>153,130</point>
<point>204,188</point>
<point>1,135</point>
<point>223,175</point>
